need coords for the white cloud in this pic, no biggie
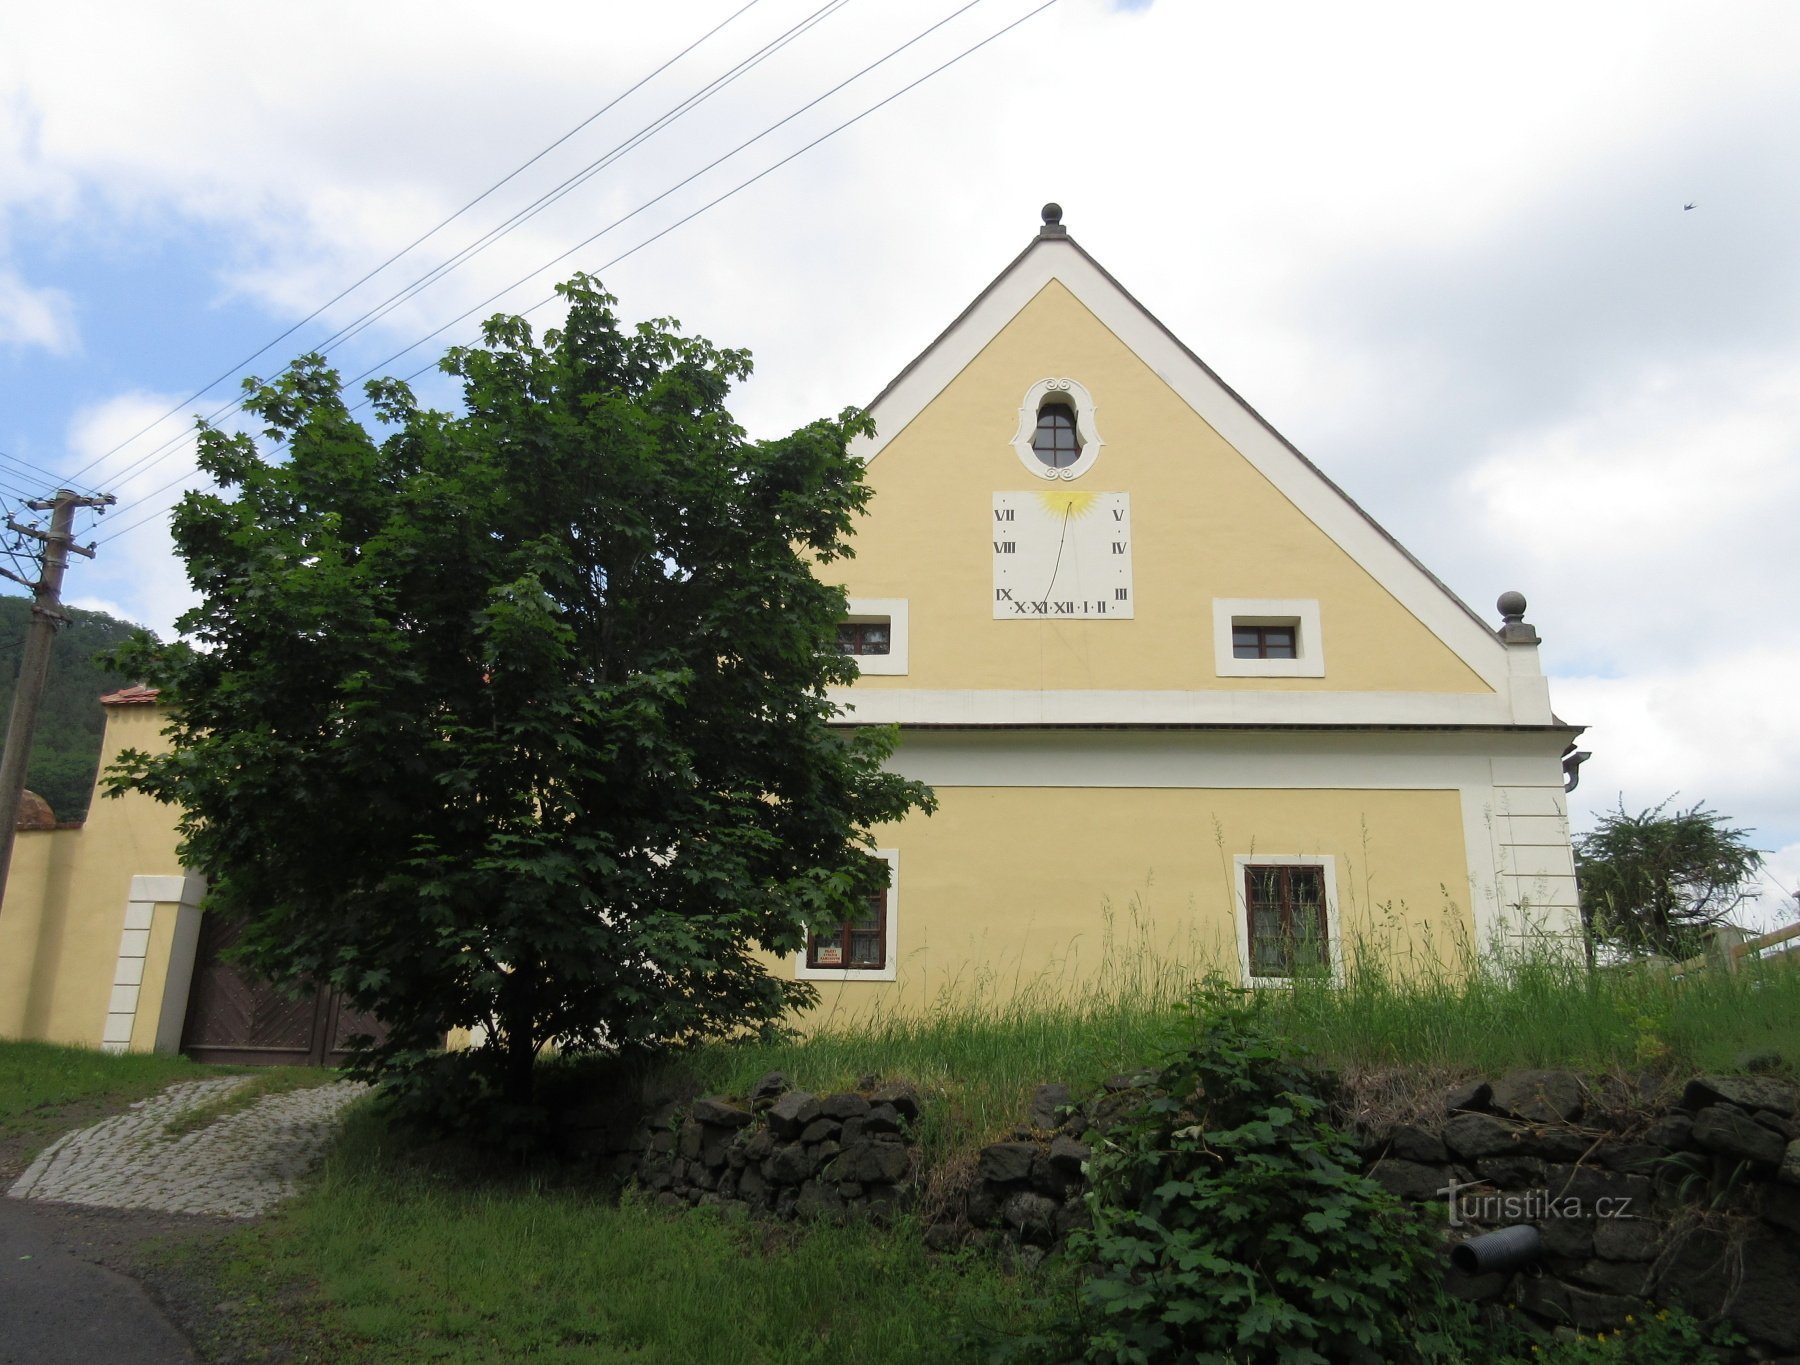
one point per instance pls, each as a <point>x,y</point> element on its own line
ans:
<point>137,577</point>
<point>39,317</point>
<point>1719,729</point>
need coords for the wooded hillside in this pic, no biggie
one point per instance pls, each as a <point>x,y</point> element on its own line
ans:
<point>71,719</point>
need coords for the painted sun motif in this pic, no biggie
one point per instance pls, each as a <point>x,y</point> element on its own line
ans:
<point>1065,502</point>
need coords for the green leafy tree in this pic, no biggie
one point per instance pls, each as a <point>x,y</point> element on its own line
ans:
<point>516,717</point>
<point>1655,882</point>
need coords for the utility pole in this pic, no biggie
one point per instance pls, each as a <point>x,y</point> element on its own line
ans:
<point>34,669</point>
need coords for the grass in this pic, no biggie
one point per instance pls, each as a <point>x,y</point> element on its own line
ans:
<point>39,1081</point>
<point>411,1260</point>
<point>403,1253</point>
<point>978,1055</point>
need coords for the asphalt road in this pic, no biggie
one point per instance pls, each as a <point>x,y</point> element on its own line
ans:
<point>57,1309</point>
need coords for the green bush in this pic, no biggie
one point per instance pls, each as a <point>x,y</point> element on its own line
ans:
<point>1231,1221</point>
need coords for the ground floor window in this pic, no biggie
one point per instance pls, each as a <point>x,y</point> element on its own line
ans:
<point>858,944</point>
<point>1286,923</point>
<point>863,947</point>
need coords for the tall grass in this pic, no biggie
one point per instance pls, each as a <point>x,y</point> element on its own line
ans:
<point>978,1053</point>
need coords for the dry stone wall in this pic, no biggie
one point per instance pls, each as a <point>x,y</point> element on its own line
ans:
<point>1698,1206</point>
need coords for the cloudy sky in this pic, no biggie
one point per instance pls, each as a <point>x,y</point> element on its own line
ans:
<point>1446,250</point>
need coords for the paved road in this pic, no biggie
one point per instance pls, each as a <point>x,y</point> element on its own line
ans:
<point>57,1308</point>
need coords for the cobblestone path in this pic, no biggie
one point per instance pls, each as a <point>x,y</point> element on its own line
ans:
<point>238,1165</point>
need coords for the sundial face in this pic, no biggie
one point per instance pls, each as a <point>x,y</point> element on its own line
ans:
<point>1062,554</point>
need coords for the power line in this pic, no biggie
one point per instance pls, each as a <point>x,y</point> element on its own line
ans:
<point>510,175</point>
<point>157,454</point>
<point>715,162</point>
<point>710,204</point>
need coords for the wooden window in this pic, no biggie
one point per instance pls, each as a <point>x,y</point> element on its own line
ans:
<point>1289,929</point>
<point>1264,642</point>
<point>864,637</point>
<point>857,945</point>
<point>1055,442</point>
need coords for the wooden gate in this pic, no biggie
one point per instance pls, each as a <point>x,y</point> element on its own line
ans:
<point>234,1016</point>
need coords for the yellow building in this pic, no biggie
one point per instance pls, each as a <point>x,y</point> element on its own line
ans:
<point>1155,663</point>
<point>1170,685</point>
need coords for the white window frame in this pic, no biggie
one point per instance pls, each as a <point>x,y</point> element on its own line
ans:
<point>1087,430</point>
<point>1241,864</point>
<point>889,970</point>
<point>890,611</point>
<point>1299,612</point>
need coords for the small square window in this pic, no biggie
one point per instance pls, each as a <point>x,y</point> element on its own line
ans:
<point>864,637</point>
<point>1262,637</point>
<point>1263,642</point>
<point>873,632</point>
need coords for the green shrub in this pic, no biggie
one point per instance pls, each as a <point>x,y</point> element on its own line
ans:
<point>1231,1221</point>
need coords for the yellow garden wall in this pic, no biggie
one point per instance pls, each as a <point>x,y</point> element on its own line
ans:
<point>69,899</point>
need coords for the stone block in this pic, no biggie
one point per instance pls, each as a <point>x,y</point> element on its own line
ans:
<point>790,1164</point>
<point>903,1097</point>
<point>1472,1135</point>
<point>768,1089</point>
<point>718,1114</point>
<point>1627,1239</point>
<point>1744,1092</point>
<point>1729,1131</point>
<point>790,1114</point>
<point>1512,1172</point>
<point>1409,1179</point>
<point>1067,1155</point>
<point>844,1106</point>
<point>882,1118</point>
<point>1031,1215</point>
<point>1789,1171</point>
<point>1412,1143</point>
<point>820,1129</point>
<point>1672,1133</point>
<point>1047,1103</point>
<point>1469,1095</point>
<point>1780,1205</point>
<point>1006,1161</point>
<point>1557,1143</point>
<point>1570,1238</point>
<point>870,1160</point>
<point>1630,1278</point>
<point>687,1141</point>
<point>1539,1096</point>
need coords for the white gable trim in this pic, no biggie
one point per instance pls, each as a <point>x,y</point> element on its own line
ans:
<point>1295,477</point>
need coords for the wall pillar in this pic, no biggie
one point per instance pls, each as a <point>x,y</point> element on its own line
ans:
<point>155,965</point>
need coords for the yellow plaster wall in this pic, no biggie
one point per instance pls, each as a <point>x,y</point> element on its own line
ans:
<point>1014,888</point>
<point>1205,523</point>
<point>65,904</point>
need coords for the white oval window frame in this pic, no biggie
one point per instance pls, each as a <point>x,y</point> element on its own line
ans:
<point>1087,431</point>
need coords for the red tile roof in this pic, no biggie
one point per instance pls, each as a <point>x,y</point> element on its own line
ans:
<point>131,696</point>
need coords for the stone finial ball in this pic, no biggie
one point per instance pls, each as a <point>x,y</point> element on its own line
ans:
<point>1511,605</point>
<point>1052,214</point>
